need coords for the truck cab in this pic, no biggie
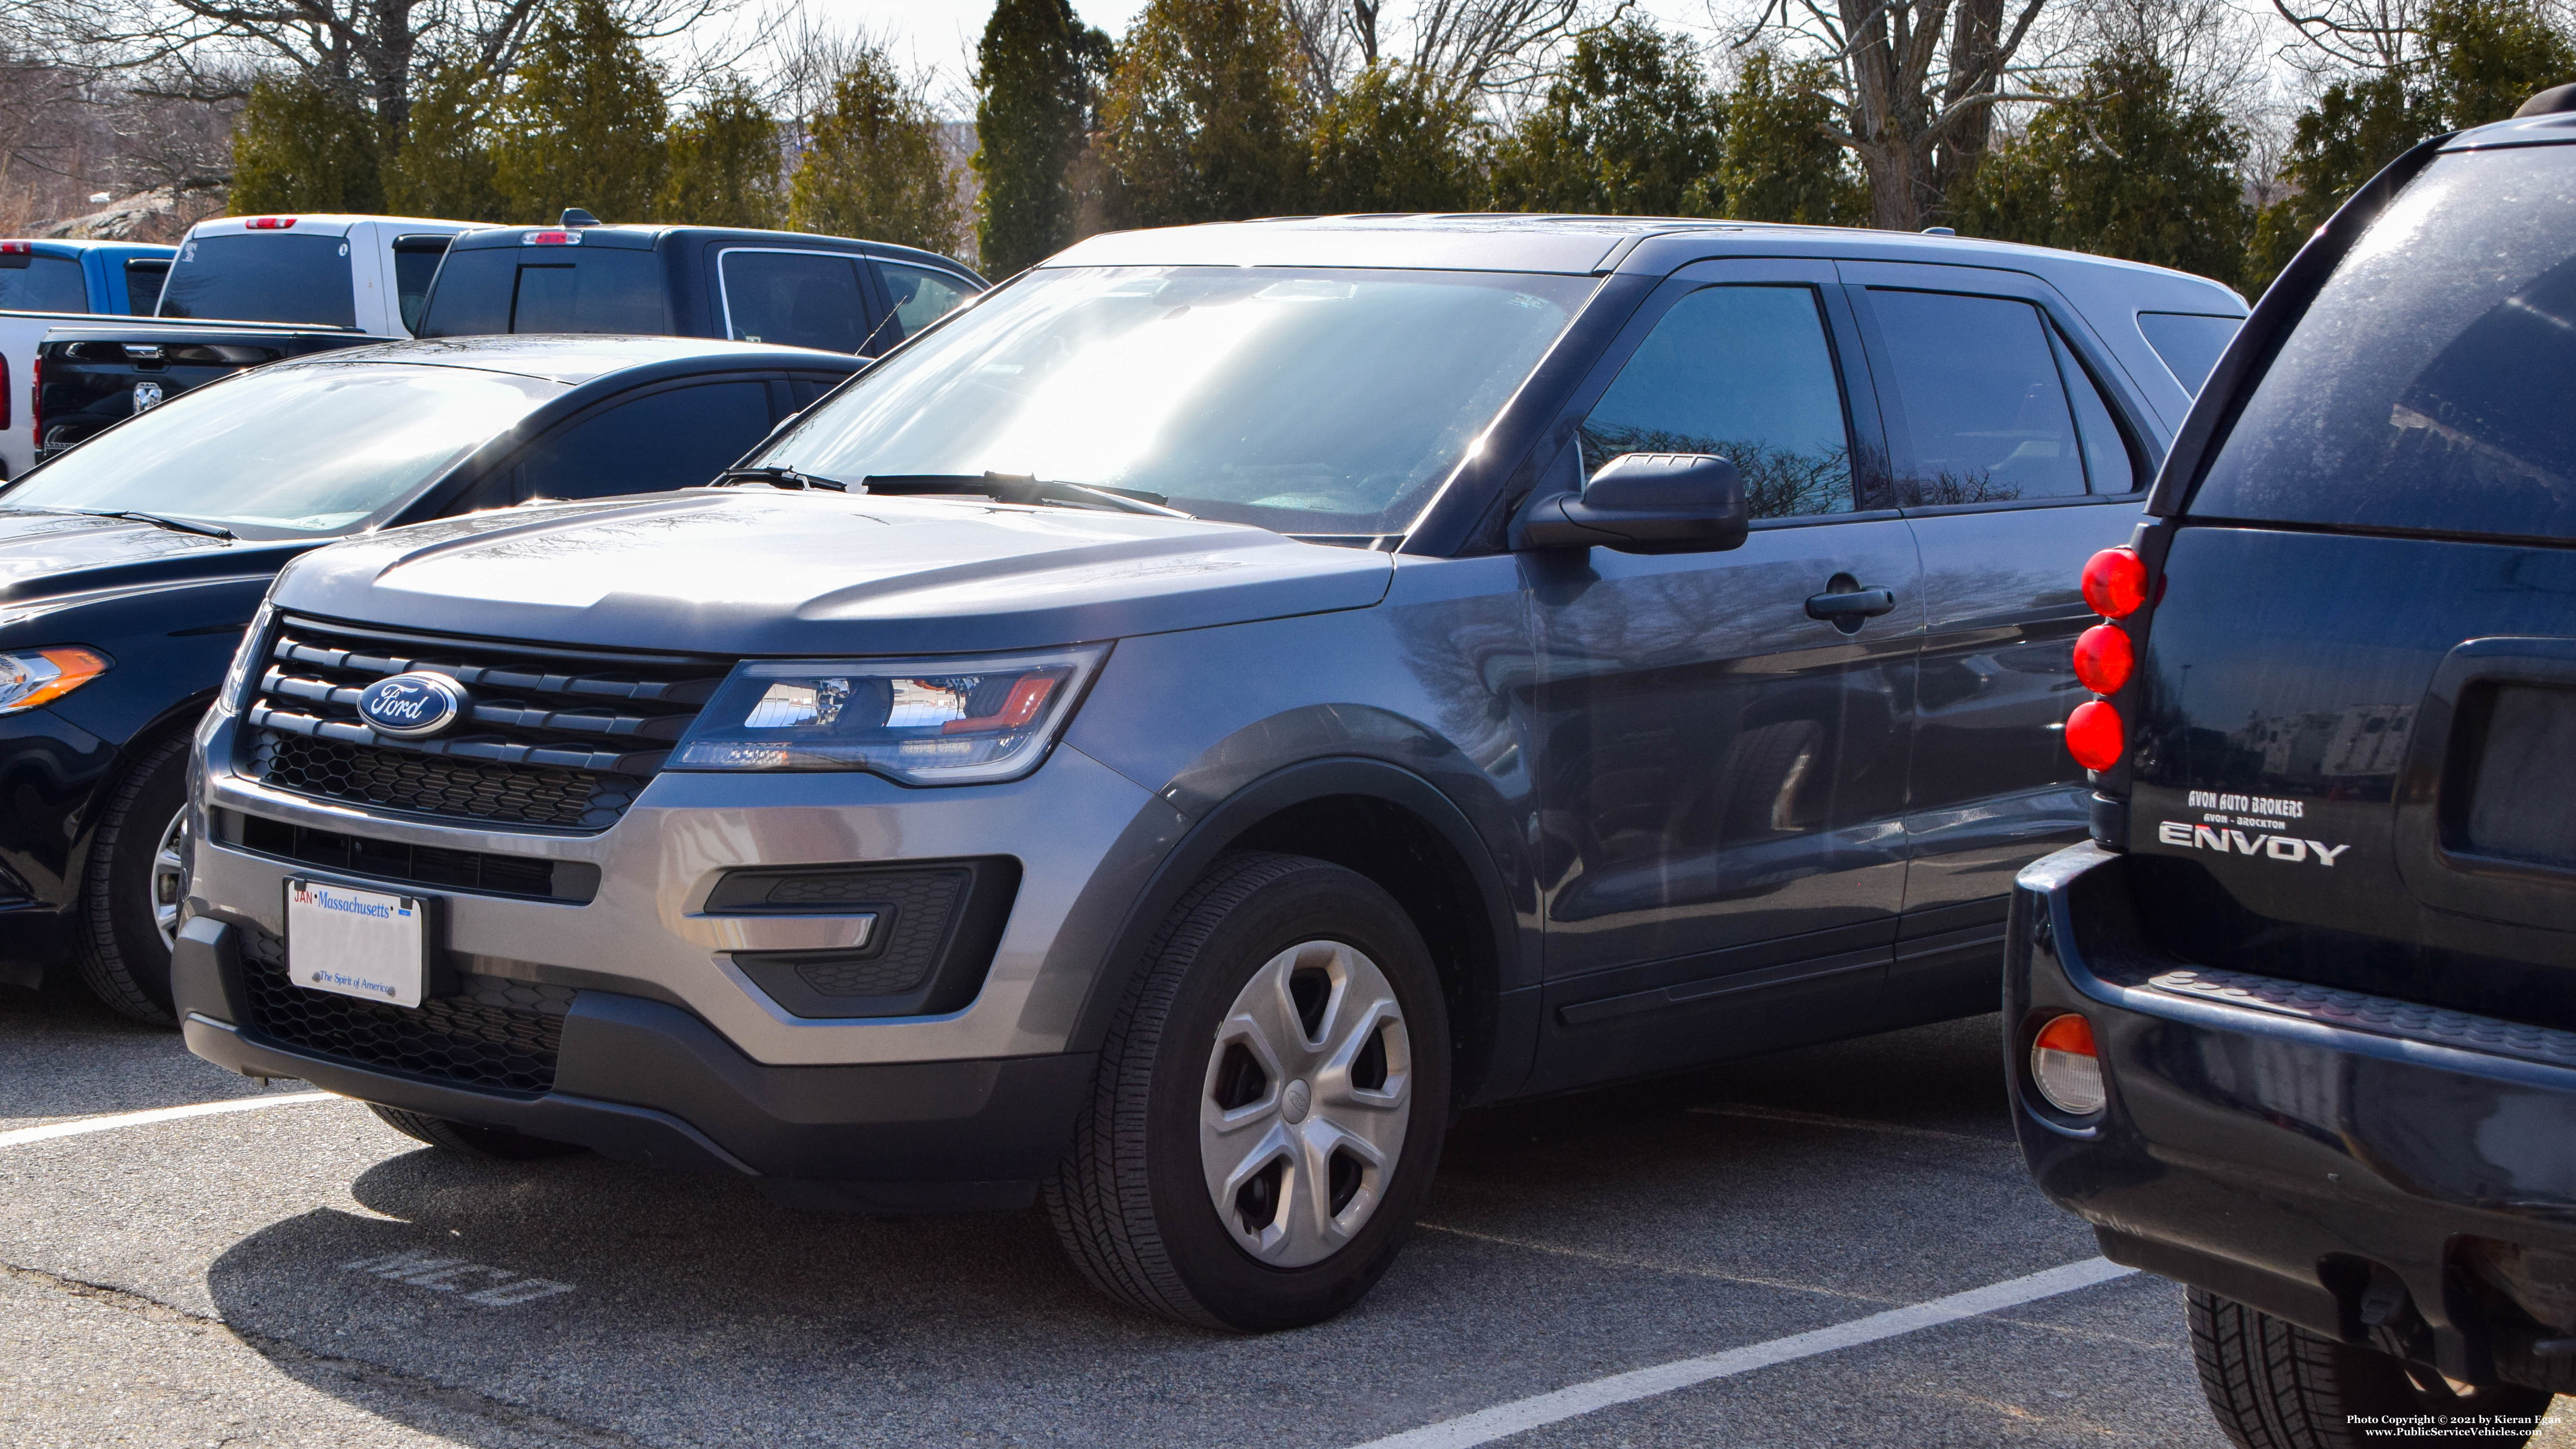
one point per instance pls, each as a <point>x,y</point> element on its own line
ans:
<point>48,283</point>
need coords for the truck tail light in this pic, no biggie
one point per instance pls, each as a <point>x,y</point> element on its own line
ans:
<point>551,239</point>
<point>2115,582</point>
<point>17,249</point>
<point>4,393</point>
<point>2103,658</point>
<point>269,223</point>
<point>2094,735</point>
<point>2066,1068</point>
<point>36,401</point>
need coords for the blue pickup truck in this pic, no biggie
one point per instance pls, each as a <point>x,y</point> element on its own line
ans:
<point>48,284</point>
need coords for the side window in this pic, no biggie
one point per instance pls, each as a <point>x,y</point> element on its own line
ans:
<point>920,296</point>
<point>143,278</point>
<point>1746,373</point>
<point>415,262</point>
<point>2188,342</point>
<point>2107,464</point>
<point>42,284</point>
<point>646,444</point>
<point>799,299</point>
<point>1983,405</point>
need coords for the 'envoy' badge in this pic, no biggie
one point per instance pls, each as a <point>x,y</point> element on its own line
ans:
<point>411,706</point>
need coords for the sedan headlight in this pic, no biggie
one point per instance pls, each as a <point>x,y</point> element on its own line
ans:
<point>31,678</point>
<point>923,722</point>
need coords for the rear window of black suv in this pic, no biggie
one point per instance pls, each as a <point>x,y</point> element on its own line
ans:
<point>2428,387</point>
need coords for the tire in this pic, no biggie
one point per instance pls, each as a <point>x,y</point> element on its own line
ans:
<point>2275,1385</point>
<point>135,882</point>
<point>1350,1112</point>
<point>467,1139</point>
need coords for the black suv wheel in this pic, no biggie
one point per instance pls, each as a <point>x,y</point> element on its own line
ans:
<point>134,884</point>
<point>2275,1385</point>
<point>1270,1105</point>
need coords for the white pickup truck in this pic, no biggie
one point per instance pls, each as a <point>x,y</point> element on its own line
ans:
<point>46,284</point>
<point>242,290</point>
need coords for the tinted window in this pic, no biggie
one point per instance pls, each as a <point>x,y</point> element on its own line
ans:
<point>921,297</point>
<point>2188,342</point>
<point>1980,399</point>
<point>799,299</point>
<point>2427,385</point>
<point>597,291</point>
<point>143,286</point>
<point>415,263</point>
<point>45,284</point>
<point>2108,466</point>
<point>668,439</point>
<point>1744,373</point>
<point>271,450</point>
<point>265,276</point>
<point>471,295</point>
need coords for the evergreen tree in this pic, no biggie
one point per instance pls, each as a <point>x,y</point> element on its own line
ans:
<point>301,145</point>
<point>2129,164</point>
<point>1780,164</point>
<point>1631,128</point>
<point>873,165</point>
<point>724,164</point>
<point>1205,119</point>
<point>1038,72</point>
<point>582,125</point>
<point>444,168</point>
<point>2479,60</point>
<point>1391,142</point>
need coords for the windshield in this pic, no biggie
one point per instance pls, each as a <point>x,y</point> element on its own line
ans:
<point>1308,401</point>
<point>288,451</point>
<point>263,277</point>
<point>2426,386</point>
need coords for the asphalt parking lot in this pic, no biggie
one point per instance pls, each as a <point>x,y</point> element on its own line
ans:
<point>298,1274</point>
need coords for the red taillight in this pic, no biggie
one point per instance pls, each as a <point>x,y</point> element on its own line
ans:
<point>2103,658</point>
<point>36,401</point>
<point>17,249</point>
<point>269,223</point>
<point>2066,1068</point>
<point>4,393</point>
<point>2093,735</point>
<point>551,239</point>
<point>2115,582</point>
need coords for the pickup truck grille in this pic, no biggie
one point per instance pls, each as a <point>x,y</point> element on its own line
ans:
<point>555,739</point>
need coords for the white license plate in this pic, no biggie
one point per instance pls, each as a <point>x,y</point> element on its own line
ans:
<point>366,944</point>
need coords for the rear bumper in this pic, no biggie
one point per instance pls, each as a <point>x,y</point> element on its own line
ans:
<point>648,1082</point>
<point>2307,1152</point>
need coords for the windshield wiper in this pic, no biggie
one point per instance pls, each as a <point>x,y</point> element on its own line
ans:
<point>1021,488</point>
<point>175,525</point>
<point>778,478</point>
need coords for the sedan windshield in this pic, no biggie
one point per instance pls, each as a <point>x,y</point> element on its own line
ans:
<point>1316,402</point>
<point>287,451</point>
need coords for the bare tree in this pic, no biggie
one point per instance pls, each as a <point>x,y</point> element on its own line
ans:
<point>1485,49</point>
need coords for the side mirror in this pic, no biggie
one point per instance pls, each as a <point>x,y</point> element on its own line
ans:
<point>1643,503</point>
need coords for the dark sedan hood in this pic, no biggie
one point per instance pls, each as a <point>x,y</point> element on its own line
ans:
<point>54,555</point>
<point>764,572</point>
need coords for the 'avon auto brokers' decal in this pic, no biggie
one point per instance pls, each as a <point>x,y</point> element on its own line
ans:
<point>2252,833</point>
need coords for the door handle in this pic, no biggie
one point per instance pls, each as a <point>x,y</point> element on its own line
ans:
<point>1848,609</point>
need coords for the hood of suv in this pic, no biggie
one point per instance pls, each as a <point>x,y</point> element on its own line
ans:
<point>765,572</point>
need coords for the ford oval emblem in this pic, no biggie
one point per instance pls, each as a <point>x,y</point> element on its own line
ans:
<point>411,706</point>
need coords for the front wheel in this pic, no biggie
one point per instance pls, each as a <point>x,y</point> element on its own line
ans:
<point>136,880</point>
<point>2275,1385</point>
<point>1270,1105</point>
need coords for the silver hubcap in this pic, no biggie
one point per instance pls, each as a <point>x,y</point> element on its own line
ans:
<point>169,883</point>
<point>1308,1090</point>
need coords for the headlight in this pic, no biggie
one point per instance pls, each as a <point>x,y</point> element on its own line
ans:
<point>923,722</point>
<point>33,677</point>
<point>246,656</point>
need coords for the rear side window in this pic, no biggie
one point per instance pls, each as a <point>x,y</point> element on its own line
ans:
<point>546,289</point>
<point>1745,373</point>
<point>42,284</point>
<point>659,440</point>
<point>921,297</point>
<point>1982,400</point>
<point>2188,342</point>
<point>2426,387</point>
<point>415,263</point>
<point>269,276</point>
<point>143,279</point>
<point>797,299</point>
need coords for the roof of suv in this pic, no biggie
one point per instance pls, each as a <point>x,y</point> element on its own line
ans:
<point>644,235</point>
<point>576,358</point>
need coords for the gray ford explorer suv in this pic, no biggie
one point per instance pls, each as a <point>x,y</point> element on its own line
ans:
<point>1178,730</point>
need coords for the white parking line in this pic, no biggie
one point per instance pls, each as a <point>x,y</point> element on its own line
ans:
<point>1504,1420</point>
<point>110,1123</point>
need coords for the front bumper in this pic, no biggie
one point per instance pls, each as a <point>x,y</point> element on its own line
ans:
<point>2372,1170</point>
<point>51,772</point>
<point>648,1082</point>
